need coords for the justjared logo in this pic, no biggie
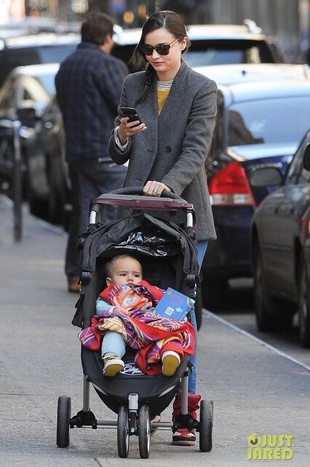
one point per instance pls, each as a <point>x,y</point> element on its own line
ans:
<point>270,447</point>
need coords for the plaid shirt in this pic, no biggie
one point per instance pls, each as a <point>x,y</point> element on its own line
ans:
<point>88,85</point>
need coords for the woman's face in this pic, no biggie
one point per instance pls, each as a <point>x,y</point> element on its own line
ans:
<point>166,66</point>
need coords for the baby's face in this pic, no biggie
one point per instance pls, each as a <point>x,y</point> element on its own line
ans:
<point>126,271</point>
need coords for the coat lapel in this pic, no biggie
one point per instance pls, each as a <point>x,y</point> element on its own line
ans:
<point>171,106</point>
<point>150,114</point>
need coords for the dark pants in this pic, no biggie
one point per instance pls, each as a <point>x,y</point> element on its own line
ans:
<point>89,179</point>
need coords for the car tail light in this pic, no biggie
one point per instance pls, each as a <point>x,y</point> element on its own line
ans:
<point>305,224</point>
<point>230,187</point>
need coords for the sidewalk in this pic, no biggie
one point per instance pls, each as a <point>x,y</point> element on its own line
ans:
<point>32,229</point>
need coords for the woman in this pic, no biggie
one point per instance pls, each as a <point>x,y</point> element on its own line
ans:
<point>168,145</point>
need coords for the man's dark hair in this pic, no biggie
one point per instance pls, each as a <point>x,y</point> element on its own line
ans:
<point>96,28</point>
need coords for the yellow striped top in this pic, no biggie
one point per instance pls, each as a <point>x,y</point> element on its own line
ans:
<point>163,89</point>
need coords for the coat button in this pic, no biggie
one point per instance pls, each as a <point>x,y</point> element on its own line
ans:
<point>168,149</point>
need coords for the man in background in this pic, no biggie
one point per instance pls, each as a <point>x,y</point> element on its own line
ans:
<point>88,86</point>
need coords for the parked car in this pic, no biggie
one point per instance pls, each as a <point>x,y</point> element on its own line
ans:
<point>27,87</point>
<point>34,49</point>
<point>213,45</point>
<point>257,125</point>
<point>48,187</point>
<point>280,245</point>
<point>246,72</point>
<point>23,97</point>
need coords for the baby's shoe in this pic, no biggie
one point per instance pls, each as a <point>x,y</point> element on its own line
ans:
<point>184,437</point>
<point>112,365</point>
<point>171,361</point>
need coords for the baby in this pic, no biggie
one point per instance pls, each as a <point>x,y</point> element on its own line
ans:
<point>125,309</point>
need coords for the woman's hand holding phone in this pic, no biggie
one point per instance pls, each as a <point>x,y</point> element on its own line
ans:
<point>130,124</point>
<point>131,113</point>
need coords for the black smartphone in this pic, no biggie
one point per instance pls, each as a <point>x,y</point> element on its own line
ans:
<point>131,113</point>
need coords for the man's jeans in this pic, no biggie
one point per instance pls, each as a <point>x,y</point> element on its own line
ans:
<point>89,179</point>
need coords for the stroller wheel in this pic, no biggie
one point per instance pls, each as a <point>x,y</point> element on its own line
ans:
<point>63,421</point>
<point>205,426</point>
<point>144,432</point>
<point>122,432</point>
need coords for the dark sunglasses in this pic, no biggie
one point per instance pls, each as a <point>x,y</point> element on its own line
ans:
<point>161,49</point>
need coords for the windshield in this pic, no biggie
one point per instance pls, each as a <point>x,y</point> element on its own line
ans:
<point>47,82</point>
<point>223,52</point>
<point>268,121</point>
<point>221,57</point>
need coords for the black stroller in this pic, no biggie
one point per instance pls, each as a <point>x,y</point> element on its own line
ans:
<point>165,246</point>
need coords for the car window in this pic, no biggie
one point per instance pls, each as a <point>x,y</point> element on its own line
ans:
<point>124,52</point>
<point>12,58</point>
<point>297,174</point>
<point>221,57</point>
<point>221,52</point>
<point>55,54</point>
<point>47,82</point>
<point>267,121</point>
<point>214,57</point>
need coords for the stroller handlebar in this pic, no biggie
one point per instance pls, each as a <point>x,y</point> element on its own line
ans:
<point>136,190</point>
<point>132,197</point>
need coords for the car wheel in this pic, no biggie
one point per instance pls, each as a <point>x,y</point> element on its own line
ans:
<point>272,313</point>
<point>304,304</point>
<point>37,207</point>
<point>35,187</point>
<point>264,303</point>
<point>56,197</point>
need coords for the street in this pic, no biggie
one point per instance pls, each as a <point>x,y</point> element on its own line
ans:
<point>239,312</point>
<point>260,390</point>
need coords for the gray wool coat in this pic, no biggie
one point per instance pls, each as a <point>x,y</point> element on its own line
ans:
<point>175,145</point>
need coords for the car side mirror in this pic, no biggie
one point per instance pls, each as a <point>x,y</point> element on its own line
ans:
<point>266,176</point>
<point>306,158</point>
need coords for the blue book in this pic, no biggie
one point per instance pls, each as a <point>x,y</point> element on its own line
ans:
<point>174,305</point>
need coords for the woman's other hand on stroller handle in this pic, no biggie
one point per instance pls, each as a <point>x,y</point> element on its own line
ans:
<point>154,188</point>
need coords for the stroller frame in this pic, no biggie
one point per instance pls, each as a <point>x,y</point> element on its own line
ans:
<point>135,414</point>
